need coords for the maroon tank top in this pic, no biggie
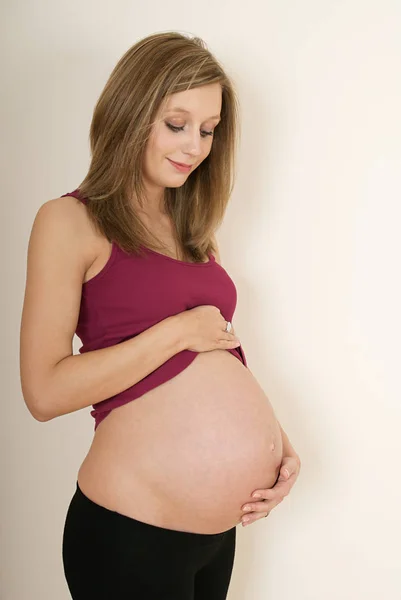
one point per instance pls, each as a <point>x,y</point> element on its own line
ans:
<point>131,294</point>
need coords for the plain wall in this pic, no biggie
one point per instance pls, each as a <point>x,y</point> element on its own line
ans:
<point>311,239</point>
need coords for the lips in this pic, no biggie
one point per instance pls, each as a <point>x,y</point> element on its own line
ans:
<point>180,164</point>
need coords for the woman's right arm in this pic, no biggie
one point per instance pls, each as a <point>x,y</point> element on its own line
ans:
<point>54,381</point>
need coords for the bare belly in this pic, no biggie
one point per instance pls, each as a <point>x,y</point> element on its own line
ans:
<point>189,453</point>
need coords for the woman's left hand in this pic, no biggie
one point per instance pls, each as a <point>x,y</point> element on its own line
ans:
<point>270,498</point>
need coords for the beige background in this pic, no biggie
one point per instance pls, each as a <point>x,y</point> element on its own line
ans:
<point>311,239</point>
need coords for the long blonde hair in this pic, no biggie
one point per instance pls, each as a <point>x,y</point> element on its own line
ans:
<point>155,67</point>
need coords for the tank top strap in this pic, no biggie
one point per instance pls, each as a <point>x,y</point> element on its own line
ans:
<point>77,194</point>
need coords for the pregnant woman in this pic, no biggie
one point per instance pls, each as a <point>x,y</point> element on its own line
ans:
<point>184,436</point>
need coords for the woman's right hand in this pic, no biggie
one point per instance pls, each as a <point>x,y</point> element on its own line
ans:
<point>204,329</point>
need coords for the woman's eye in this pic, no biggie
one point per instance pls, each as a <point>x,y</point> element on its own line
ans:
<point>175,128</point>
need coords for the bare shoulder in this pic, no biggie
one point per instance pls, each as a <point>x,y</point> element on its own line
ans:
<point>67,210</point>
<point>67,216</point>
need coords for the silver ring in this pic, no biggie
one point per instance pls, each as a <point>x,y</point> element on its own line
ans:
<point>228,327</point>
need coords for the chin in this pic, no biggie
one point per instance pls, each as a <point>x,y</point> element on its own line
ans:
<point>177,185</point>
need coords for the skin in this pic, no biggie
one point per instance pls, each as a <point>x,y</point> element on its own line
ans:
<point>272,497</point>
<point>191,145</point>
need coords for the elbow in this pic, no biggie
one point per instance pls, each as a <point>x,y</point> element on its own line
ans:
<point>39,417</point>
<point>37,413</point>
<point>36,406</point>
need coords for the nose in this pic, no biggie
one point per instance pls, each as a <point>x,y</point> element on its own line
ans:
<point>193,145</point>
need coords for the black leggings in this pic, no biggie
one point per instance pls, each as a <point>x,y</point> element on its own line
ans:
<point>109,556</point>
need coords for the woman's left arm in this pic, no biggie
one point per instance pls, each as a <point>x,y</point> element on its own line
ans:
<point>271,497</point>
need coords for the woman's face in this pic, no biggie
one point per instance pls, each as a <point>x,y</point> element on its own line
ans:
<point>189,144</point>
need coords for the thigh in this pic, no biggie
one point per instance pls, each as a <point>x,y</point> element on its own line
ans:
<point>108,555</point>
<point>213,579</point>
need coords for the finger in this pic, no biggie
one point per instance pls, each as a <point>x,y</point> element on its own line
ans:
<point>289,467</point>
<point>224,326</point>
<point>256,507</point>
<point>268,494</point>
<point>231,339</point>
<point>285,474</point>
<point>280,489</point>
<point>232,330</point>
<point>249,519</point>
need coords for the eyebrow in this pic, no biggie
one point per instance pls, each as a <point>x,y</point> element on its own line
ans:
<point>184,110</point>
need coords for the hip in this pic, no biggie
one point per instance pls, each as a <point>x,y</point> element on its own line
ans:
<point>108,555</point>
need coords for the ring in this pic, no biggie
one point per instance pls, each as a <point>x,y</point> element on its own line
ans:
<point>228,327</point>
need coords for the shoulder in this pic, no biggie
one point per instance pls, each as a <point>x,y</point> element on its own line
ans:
<point>66,217</point>
<point>65,207</point>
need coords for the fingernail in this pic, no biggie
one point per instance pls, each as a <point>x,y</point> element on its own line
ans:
<point>256,496</point>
